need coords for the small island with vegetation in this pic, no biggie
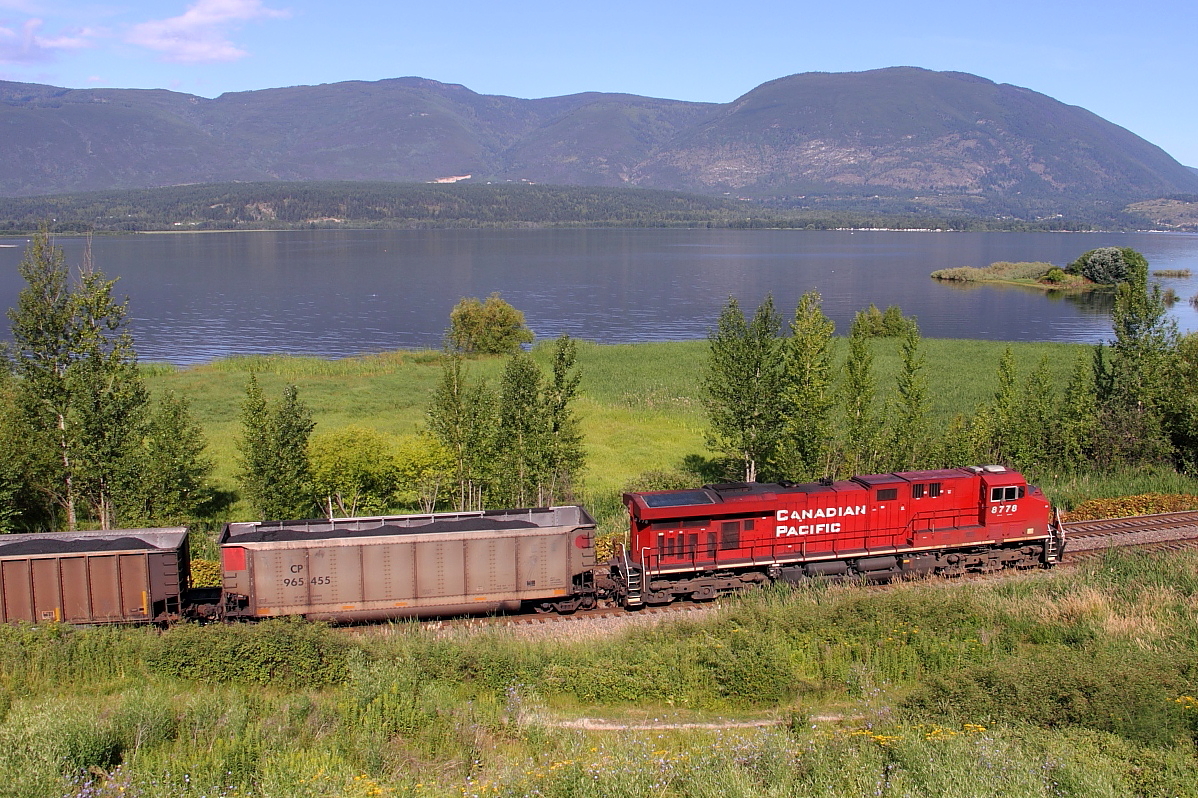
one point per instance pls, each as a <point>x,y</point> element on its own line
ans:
<point>1099,268</point>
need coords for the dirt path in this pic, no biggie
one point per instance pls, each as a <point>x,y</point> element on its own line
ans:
<point>594,724</point>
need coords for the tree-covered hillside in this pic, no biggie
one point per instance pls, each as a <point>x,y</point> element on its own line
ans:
<point>275,205</point>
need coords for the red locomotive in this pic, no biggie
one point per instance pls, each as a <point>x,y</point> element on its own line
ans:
<point>700,543</point>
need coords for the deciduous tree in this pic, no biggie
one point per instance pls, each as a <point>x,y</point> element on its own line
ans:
<point>354,470</point>
<point>175,471</point>
<point>276,476</point>
<point>80,394</point>
<point>743,387</point>
<point>804,453</point>
<point>860,447</point>
<point>565,456</point>
<point>488,327</point>
<point>462,419</point>
<point>909,431</point>
<point>521,434</point>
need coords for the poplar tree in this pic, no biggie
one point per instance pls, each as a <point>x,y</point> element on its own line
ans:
<point>1077,418</point>
<point>1137,382</point>
<point>521,434</point>
<point>807,379</point>
<point>1039,422</point>
<point>859,451</point>
<point>461,418</point>
<point>909,437</point>
<point>111,400</point>
<point>996,425</point>
<point>290,429</point>
<point>80,396</point>
<point>19,506</point>
<point>1145,343</point>
<point>175,477</point>
<point>743,387</point>
<point>565,458</point>
<point>276,476</point>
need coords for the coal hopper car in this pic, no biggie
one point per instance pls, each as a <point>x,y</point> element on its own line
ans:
<point>409,566</point>
<point>120,576</point>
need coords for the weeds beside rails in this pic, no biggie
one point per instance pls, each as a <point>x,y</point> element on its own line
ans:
<point>1050,683</point>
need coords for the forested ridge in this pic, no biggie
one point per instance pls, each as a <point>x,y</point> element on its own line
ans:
<point>311,205</point>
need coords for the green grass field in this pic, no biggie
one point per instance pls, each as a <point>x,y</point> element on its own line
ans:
<point>640,404</point>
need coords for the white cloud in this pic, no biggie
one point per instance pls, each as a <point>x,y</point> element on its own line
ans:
<point>201,33</point>
<point>24,45</point>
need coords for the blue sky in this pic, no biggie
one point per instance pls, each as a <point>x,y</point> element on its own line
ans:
<point>1130,62</point>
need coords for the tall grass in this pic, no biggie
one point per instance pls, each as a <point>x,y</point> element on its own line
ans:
<point>1000,270</point>
<point>1070,490</point>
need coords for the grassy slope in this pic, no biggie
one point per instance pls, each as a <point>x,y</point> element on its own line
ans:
<point>1075,683</point>
<point>640,403</point>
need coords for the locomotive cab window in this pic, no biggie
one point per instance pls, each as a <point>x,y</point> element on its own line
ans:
<point>887,494</point>
<point>1008,494</point>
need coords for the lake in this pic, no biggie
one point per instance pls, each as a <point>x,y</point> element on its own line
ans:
<point>195,297</point>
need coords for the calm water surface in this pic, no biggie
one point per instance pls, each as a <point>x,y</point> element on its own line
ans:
<point>195,297</point>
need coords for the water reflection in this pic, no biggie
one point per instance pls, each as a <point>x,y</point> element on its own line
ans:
<point>199,296</point>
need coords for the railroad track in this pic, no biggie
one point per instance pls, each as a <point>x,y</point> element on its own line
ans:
<point>1085,541</point>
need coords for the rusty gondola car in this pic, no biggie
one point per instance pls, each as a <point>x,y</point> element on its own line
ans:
<point>409,566</point>
<point>120,576</point>
<point>700,543</point>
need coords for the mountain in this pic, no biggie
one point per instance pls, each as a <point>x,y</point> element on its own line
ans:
<point>931,139</point>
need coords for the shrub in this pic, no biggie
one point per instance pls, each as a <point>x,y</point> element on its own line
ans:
<point>353,470</point>
<point>490,327</point>
<point>1109,265</point>
<point>205,573</point>
<point>1144,504</point>
<point>1055,276</point>
<point>287,653</point>
<point>891,323</point>
<point>1122,692</point>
